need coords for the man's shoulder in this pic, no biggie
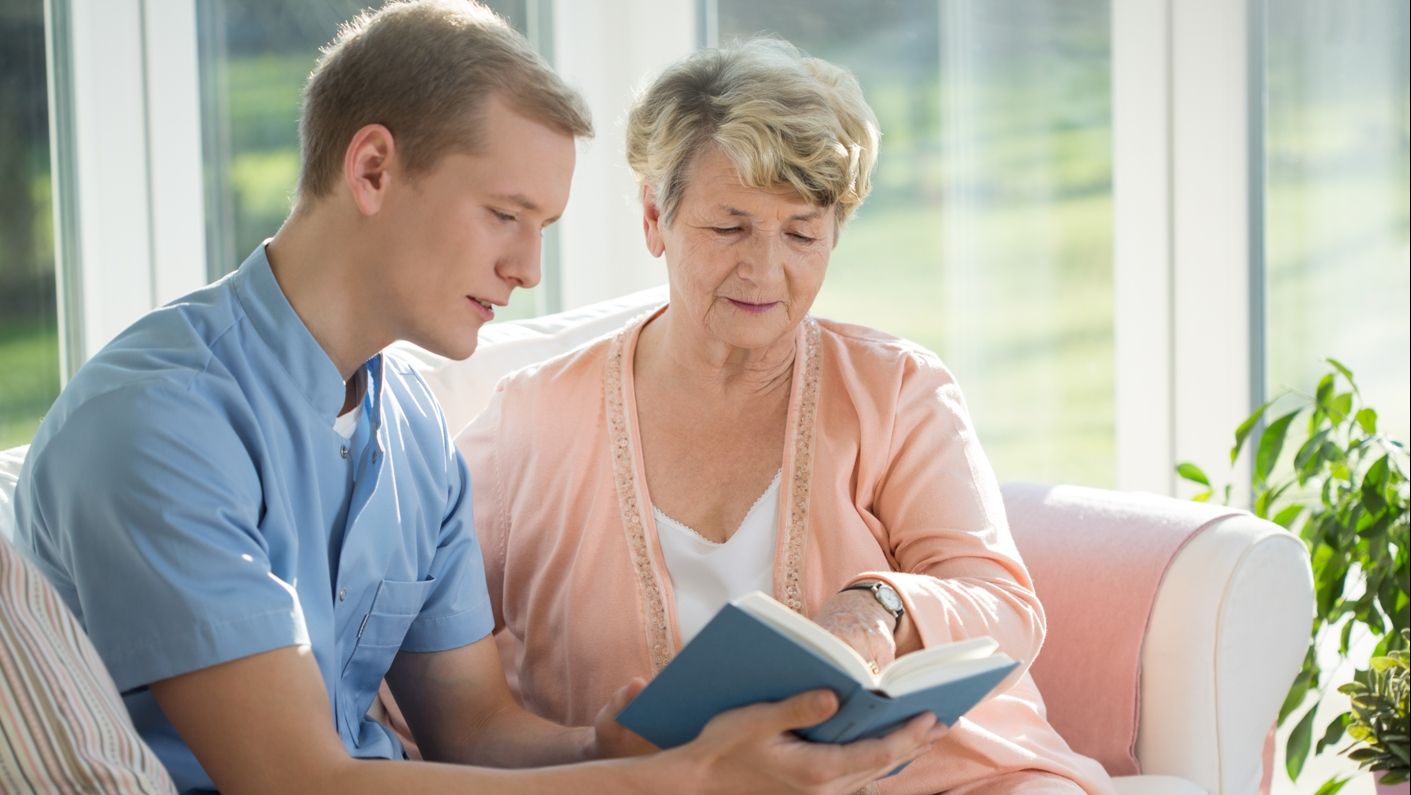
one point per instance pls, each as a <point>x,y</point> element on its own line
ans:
<point>158,360</point>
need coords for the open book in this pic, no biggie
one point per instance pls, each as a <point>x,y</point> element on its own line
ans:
<point>756,649</point>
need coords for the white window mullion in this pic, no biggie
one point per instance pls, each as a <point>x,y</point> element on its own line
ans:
<point>177,198</point>
<point>608,57</point>
<point>1142,259</point>
<point>127,143</point>
<point>106,264</point>
<point>1183,225</point>
<point>1211,227</point>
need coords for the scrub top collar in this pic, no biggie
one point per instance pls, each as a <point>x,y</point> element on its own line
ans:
<point>304,361</point>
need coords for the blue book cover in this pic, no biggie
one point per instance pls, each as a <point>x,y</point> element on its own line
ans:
<point>746,655</point>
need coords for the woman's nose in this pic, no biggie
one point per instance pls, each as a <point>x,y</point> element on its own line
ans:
<point>763,259</point>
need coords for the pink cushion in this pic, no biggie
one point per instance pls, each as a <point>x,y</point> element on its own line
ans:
<point>1097,558</point>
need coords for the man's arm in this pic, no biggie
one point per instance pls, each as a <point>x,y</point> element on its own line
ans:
<point>262,724</point>
<point>460,710</point>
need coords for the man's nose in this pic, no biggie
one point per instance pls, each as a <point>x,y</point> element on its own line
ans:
<point>523,266</point>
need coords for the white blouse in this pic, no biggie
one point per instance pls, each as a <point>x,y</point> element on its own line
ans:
<point>706,574</point>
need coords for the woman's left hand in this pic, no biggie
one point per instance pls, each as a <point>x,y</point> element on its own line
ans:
<point>857,618</point>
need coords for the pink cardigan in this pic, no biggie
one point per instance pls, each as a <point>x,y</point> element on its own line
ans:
<point>883,477</point>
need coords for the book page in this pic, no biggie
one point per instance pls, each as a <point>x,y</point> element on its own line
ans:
<point>809,635</point>
<point>916,671</point>
<point>919,671</point>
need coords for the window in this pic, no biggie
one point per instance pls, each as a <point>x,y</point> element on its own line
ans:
<point>988,235</point>
<point>1336,229</point>
<point>29,325</point>
<point>254,59</point>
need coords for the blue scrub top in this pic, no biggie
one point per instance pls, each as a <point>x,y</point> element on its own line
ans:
<point>189,499</point>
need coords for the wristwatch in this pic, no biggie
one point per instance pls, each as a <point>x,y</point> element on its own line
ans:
<point>885,595</point>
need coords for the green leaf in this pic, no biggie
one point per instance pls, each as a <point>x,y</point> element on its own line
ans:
<point>1242,432</point>
<point>1297,693</point>
<point>1265,500</point>
<point>1203,496</point>
<point>1288,516</point>
<point>1270,444</point>
<point>1192,473</point>
<point>1363,754</point>
<point>1309,458</point>
<point>1367,518</point>
<point>1332,786</point>
<point>1340,407</point>
<point>1393,597</point>
<point>1374,484</point>
<point>1300,740</point>
<point>1333,734</point>
<point>1342,368</point>
<point>1367,418</point>
<point>1324,392</point>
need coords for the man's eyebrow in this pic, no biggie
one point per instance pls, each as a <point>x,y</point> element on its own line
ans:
<point>519,199</point>
<point>522,202</point>
<point>808,216</point>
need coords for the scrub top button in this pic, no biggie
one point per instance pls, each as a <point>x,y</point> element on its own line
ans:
<point>343,595</point>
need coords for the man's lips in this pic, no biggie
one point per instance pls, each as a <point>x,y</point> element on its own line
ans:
<point>485,308</point>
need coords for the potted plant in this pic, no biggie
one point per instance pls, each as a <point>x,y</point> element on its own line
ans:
<point>1379,721</point>
<point>1344,491</point>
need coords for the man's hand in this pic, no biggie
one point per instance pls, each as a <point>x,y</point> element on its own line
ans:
<point>863,624</point>
<point>610,738</point>
<point>749,750</point>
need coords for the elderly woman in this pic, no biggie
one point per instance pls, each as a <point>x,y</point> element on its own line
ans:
<point>729,441</point>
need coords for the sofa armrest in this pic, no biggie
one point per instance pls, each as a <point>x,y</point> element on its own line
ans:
<point>1226,637</point>
<point>10,463</point>
<point>1174,628</point>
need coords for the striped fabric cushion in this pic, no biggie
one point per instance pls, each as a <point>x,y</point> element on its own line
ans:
<point>63,727</point>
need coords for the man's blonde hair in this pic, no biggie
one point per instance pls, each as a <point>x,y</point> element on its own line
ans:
<point>424,69</point>
<point>783,119</point>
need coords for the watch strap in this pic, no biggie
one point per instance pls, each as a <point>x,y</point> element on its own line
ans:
<point>874,587</point>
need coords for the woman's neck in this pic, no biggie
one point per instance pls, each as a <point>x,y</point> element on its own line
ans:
<point>688,359</point>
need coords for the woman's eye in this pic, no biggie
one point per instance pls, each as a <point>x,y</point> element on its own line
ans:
<point>506,217</point>
<point>802,238</point>
<point>725,230</point>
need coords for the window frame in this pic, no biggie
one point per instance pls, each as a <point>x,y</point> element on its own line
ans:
<point>130,231</point>
<point>129,210</point>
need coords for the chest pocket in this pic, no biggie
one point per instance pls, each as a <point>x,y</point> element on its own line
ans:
<point>380,635</point>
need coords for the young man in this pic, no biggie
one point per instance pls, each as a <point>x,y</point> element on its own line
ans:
<point>257,516</point>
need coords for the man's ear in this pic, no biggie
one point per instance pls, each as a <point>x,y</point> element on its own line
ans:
<point>651,221</point>
<point>368,164</point>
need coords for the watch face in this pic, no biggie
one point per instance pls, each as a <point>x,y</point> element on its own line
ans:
<point>889,598</point>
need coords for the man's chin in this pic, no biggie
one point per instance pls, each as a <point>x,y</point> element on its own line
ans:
<point>455,350</point>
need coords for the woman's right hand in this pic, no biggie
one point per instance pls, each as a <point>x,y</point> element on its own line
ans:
<point>751,750</point>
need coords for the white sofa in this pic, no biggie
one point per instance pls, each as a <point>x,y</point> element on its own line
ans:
<point>1227,628</point>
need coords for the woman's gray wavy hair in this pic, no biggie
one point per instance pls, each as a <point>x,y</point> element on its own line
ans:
<point>783,119</point>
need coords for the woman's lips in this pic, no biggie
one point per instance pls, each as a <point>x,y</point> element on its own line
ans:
<point>746,306</point>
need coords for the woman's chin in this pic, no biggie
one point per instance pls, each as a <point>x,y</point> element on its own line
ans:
<point>755,335</point>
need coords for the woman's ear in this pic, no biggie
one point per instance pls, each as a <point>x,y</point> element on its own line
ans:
<point>367,165</point>
<point>651,221</point>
